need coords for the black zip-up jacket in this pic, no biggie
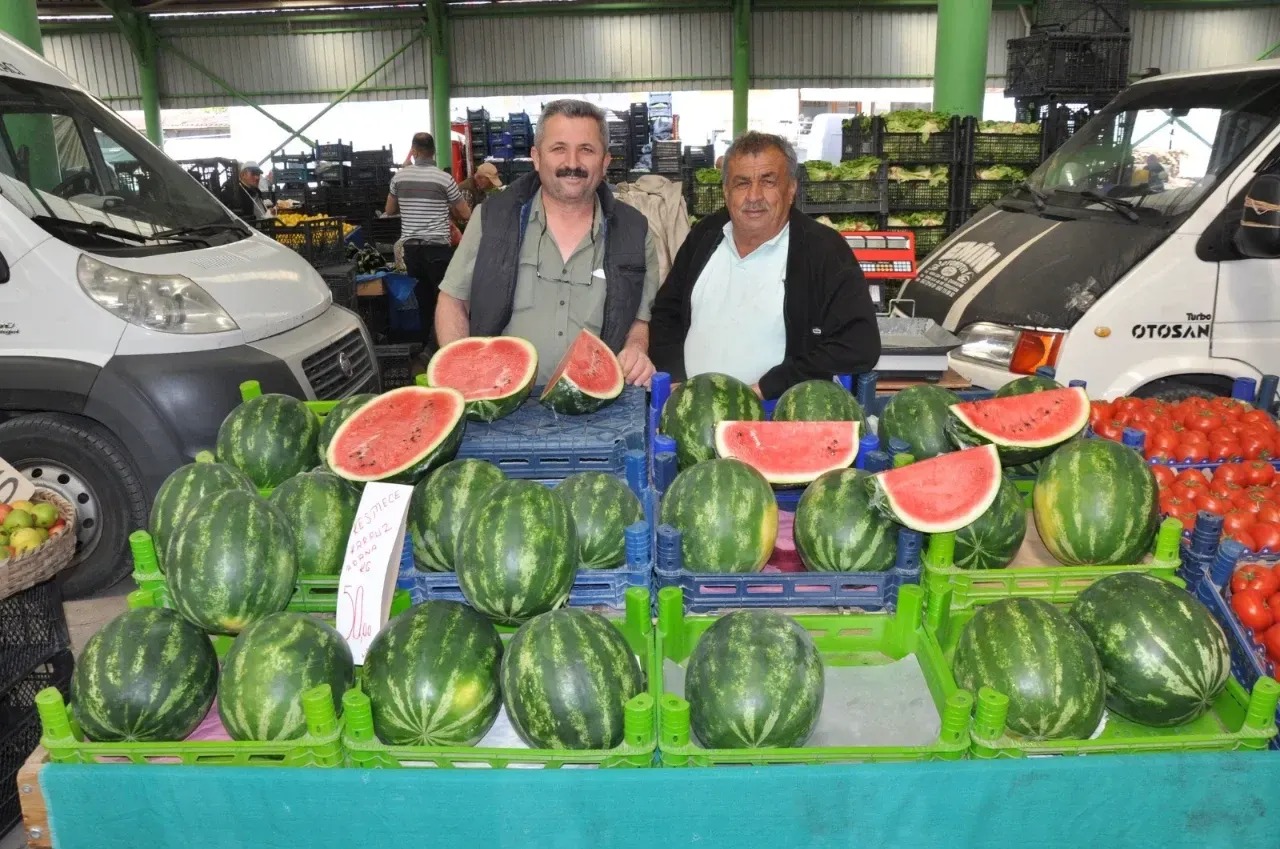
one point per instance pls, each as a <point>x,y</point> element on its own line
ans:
<point>827,308</point>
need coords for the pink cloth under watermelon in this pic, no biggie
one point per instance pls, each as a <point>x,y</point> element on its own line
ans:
<point>785,558</point>
<point>210,728</point>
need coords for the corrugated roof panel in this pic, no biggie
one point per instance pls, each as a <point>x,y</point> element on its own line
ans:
<point>599,53</point>
<point>1201,38</point>
<point>102,62</point>
<point>854,47</point>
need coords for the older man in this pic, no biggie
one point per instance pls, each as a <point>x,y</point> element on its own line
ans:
<point>244,196</point>
<point>761,291</point>
<point>554,253</point>
<point>477,187</point>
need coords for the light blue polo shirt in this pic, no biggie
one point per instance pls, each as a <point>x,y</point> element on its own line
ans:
<point>737,327</point>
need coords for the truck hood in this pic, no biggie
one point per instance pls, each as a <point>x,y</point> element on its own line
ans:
<point>265,287</point>
<point>1019,269</point>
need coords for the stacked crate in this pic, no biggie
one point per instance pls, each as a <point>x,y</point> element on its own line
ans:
<point>213,174</point>
<point>521,129</point>
<point>1078,52</point>
<point>619,147</point>
<point>478,124</point>
<point>333,165</point>
<point>638,134</point>
<point>982,180</point>
<point>666,158</point>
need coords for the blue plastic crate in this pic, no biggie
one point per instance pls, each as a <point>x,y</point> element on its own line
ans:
<point>534,443</point>
<point>707,592</point>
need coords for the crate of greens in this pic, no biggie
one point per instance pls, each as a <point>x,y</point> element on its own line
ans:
<point>919,187</point>
<point>706,191</point>
<point>856,185</point>
<point>917,137</point>
<point>987,184</point>
<point>1002,143</point>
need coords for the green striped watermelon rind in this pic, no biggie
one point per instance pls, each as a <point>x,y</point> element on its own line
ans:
<point>838,530</point>
<point>334,418</point>
<point>964,429</point>
<point>918,415</point>
<point>288,431</point>
<point>184,487</point>
<point>712,505</point>
<point>602,508</point>
<point>488,409</point>
<point>320,508</point>
<point>994,538</point>
<point>566,396</point>
<point>819,401</point>
<point>690,414</point>
<point>439,506</point>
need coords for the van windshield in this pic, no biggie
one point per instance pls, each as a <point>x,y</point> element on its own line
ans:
<point>84,175</point>
<point>1160,148</point>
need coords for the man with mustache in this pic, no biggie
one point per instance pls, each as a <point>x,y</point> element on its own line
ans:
<point>759,290</point>
<point>555,253</point>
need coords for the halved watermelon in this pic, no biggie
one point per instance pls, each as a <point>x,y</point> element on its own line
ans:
<point>493,373</point>
<point>789,452</point>
<point>399,436</point>
<point>587,378</point>
<point>1024,428</point>
<point>941,494</point>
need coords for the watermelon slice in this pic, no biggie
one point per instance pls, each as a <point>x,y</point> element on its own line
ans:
<point>941,494</point>
<point>588,378</point>
<point>399,436</point>
<point>789,452</point>
<point>493,373</point>
<point>1024,428</point>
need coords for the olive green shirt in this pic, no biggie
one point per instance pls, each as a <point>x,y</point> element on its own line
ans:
<point>554,299</point>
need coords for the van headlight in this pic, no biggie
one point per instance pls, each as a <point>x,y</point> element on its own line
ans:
<point>1012,348</point>
<point>168,303</point>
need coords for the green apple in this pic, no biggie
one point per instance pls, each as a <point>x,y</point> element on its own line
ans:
<point>45,514</point>
<point>21,505</point>
<point>18,519</point>
<point>4,539</point>
<point>25,539</point>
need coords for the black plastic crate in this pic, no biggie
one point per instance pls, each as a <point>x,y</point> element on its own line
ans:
<point>480,114</point>
<point>286,176</point>
<point>856,141</point>
<point>319,242</point>
<point>1086,17</point>
<point>705,198</point>
<point>213,174</point>
<point>382,156</point>
<point>370,175</point>
<point>845,196</point>
<point>341,280</point>
<point>1066,66</point>
<point>396,364</point>
<point>919,194</point>
<point>337,152</point>
<point>1023,150</point>
<point>980,193</point>
<point>20,727</point>
<point>917,148</point>
<point>33,627</point>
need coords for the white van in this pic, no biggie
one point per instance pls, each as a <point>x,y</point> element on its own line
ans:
<point>1121,260</point>
<point>132,306</point>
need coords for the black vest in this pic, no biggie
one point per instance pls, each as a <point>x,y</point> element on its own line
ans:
<point>493,280</point>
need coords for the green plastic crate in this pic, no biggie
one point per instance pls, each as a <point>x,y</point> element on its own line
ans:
<point>1054,584</point>
<point>844,640</point>
<point>1238,720</point>
<point>638,748</point>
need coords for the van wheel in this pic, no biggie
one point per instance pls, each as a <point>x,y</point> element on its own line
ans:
<point>84,463</point>
<point>1174,389</point>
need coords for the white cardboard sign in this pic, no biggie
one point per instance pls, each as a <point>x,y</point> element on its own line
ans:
<point>14,485</point>
<point>372,564</point>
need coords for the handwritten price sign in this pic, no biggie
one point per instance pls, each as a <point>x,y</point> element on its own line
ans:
<point>372,563</point>
<point>14,485</point>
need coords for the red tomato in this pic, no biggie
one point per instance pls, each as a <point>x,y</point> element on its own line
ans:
<point>1100,411</point>
<point>1251,608</point>
<point>1229,407</point>
<point>1222,434</point>
<point>1273,604</point>
<point>1195,437</point>
<point>1224,489</point>
<point>1112,430</point>
<point>1256,577</point>
<point>1127,404</point>
<point>1231,473</point>
<point>1225,450</point>
<point>1260,472</point>
<point>1189,491</point>
<point>1269,514</point>
<point>1165,440</point>
<point>1171,504</point>
<point>1244,538</point>
<point>1267,536</point>
<point>1191,452</point>
<point>1250,500</point>
<point>1158,408</point>
<point>1213,503</point>
<point>1256,446</point>
<point>1194,477</point>
<point>1188,519</point>
<point>1259,417</point>
<point>1204,420</point>
<point>1236,520</point>
<point>1271,642</point>
<point>1165,476</point>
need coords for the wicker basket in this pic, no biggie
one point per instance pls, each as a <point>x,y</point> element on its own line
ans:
<point>34,567</point>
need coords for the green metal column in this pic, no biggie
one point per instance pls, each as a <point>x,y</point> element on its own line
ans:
<point>18,19</point>
<point>148,79</point>
<point>438,22</point>
<point>960,58</point>
<point>741,64</point>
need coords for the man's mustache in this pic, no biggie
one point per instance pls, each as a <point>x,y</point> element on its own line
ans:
<point>580,173</point>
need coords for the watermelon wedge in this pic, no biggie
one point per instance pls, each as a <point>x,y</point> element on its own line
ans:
<point>1024,428</point>
<point>789,452</point>
<point>399,436</point>
<point>941,494</point>
<point>493,373</point>
<point>587,379</point>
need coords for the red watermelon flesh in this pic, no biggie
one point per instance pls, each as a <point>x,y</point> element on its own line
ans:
<point>789,452</point>
<point>943,493</point>
<point>590,366</point>
<point>400,433</point>
<point>1034,420</point>
<point>484,368</point>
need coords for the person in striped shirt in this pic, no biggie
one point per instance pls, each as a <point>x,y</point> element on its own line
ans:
<point>425,196</point>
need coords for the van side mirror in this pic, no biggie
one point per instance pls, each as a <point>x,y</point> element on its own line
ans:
<point>4,269</point>
<point>1258,236</point>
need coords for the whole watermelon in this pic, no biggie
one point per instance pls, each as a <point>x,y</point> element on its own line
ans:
<point>755,679</point>
<point>439,506</point>
<point>567,676</point>
<point>431,675</point>
<point>518,552</point>
<point>232,562</point>
<point>1164,656</point>
<point>1026,385</point>
<point>334,418</point>
<point>837,529</point>
<point>726,514</point>
<point>182,490</point>
<point>1040,658</point>
<point>994,539</point>
<point>148,676</point>
<point>820,401</point>
<point>270,438</point>
<point>602,508</point>
<point>1094,503</point>
<point>268,668</point>
<point>918,416</point>
<point>696,406</point>
<point>320,508</point>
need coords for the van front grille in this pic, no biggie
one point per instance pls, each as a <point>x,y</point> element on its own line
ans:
<point>342,368</point>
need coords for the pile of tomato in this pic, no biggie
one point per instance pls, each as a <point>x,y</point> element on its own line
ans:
<point>1246,496</point>
<point>1190,431</point>
<point>1255,598</point>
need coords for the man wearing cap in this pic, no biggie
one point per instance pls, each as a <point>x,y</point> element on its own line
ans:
<point>476,187</point>
<point>244,196</point>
